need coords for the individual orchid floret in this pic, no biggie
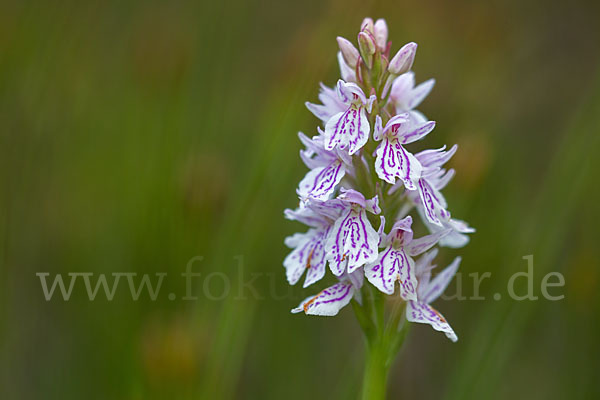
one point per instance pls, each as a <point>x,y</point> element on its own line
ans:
<point>352,241</point>
<point>330,301</point>
<point>349,130</point>
<point>405,97</point>
<point>308,248</point>
<point>428,291</point>
<point>327,169</point>
<point>395,263</point>
<point>392,160</point>
<point>403,60</point>
<point>309,253</point>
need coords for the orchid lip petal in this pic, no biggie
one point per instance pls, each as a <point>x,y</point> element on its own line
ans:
<point>328,302</point>
<point>351,243</point>
<point>425,314</point>
<point>393,265</point>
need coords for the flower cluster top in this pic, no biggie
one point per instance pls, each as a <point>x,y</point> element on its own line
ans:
<point>362,173</point>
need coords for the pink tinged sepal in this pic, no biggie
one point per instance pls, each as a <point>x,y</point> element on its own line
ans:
<point>433,203</point>
<point>307,216</point>
<point>457,237</point>
<point>351,243</point>
<point>351,196</point>
<point>329,301</point>
<point>393,161</point>
<point>434,159</point>
<point>416,133</point>
<point>331,104</point>
<point>421,245</point>
<point>405,95</point>
<point>308,254</point>
<point>320,183</point>
<point>423,265</point>
<point>393,265</point>
<point>315,156</point>
<point>425,314</point>
<point>403,60</point>
<point>434,289</point>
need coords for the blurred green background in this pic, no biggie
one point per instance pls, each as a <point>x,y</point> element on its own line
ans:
<point>135,136</point>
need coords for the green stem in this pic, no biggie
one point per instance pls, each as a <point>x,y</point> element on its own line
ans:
<point>376,373</point>
<point>382,348</point>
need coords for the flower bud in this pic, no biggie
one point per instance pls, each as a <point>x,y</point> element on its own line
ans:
<point>403,60</point>
<point>348,51</point>
<point>367,25</point>
<point>366,44</point>
<point>381,34</point>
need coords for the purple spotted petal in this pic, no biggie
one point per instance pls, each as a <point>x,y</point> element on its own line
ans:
<point>430,292</point>
<point>348,130</point>
<point>425,314</point>
<point>320,183</point>
<point>415,133</point>
<point>351,243</point>
<point>308,254</point>
<point>393,161</point>
<point>329,301</point>
<point>393,265</point>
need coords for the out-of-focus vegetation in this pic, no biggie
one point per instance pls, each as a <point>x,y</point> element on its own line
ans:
<point>135,136</point>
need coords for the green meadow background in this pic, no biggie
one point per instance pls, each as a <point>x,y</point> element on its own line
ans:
<point>136,136</point>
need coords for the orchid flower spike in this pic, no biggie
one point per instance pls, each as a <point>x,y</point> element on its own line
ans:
<point>361,156</point>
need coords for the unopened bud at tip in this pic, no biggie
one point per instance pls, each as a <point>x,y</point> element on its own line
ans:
<point>381,34</point>
<point>367,25</point>
<point>366,44</point>
<point>403,60</point>
<point>349,52</point>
